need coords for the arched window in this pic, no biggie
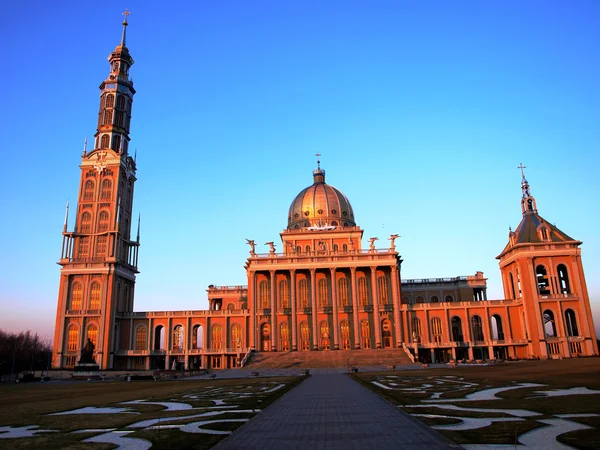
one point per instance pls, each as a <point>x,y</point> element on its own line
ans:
<point>416,329</point>
<point>106,192</point>
<point>434,299</point>
<point>512,285</point>
<point>571,323</point>
<point>497,330</point>
<point>178,337</point>
<point>159,338</point>
<point>325,339</point>
<point>542,280</point>
<point>563,279</point>
<point>549,324</point>
<point>342,293</point>
<point>382,290</point>
<point>198,336</point>
<point>307,249</point>
<point>236,335</point>
<point>436,329</point>
<point>303,293</point>
<point>76,296</point>
<point>284,294</point>
<point>84,247</point>
<point>92,334</point>
<point>88,190</point>
<point>298,249</point>
<point>95,293</point>
<point>105,141</point>
<point>103,221</point>
<point>420,299</point>
<point>86,222</point>
<point>407,300</point>
<point>345,248</point>
<point>284,337</point>
<point>265,298</point>
<point>72,338</point>
<point>141,337</point>
<point>345,334</point>
<point>363,292</point>
<point>230,307</point>
<point>304,337</point>
<point>120,102</point>
<point>323,294</point>
<point>108,116</point>
<point>335,248</point>
<point>457,334</point>
<point>110,101</point>
<point>365,334</point>
<point>116,142</point>
<point>449,299</point>
<point>217,337</point>
<point>386,333</point>
<point>477,328</point>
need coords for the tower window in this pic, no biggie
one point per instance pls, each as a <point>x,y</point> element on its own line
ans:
<point>542,280</point>
<point>86,222</point>
<point>382,290</point>
<point>323,294</point>
<point>95,292</point>
<point>363,294</point>
<point>101,245</point>
<point>88,190</point>
<point>110,100</point>
<point>120,102</point>
<point>72,338</point>
<point>76,296</point>
<point>106,192</point>
<point>563,279</point>
<point>265,300</point>
<point>571,323</point>
<point>116,142</point>
<point>108,117</point>
<point>303,293</point>
<point>103,221</point>
<point>342,292</point>
<point>284,294</point>
<point>105,141</point>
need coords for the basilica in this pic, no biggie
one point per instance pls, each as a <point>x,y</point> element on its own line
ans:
<point>325,291</point>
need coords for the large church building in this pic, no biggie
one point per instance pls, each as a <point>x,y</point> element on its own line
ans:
<point>326,291</point>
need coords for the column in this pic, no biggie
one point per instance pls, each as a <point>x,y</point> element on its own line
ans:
<point>355,308</point>
<point>294,317</point>
<point>273,312</point>
<point>376,321</point>
<point>395,279</point>
<point>252,307</point>
<point>313,300</point>
<point>334,304</point>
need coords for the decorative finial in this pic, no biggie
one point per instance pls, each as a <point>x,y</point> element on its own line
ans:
<point>521,166</point>
<point>318,155</point>
<point>85,146</point>
<point>66,217</point>
<point>126,14</point>
<point>138,231</point>
<point>135,156</point>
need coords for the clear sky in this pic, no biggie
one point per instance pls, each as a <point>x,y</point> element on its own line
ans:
<point>422,112</point>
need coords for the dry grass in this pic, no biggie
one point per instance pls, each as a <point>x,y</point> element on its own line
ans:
<point>561,374</point>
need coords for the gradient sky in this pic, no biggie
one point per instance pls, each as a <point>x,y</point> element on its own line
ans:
<point>422,112</point>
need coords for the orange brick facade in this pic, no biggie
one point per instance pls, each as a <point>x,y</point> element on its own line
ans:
<point>323,291</point>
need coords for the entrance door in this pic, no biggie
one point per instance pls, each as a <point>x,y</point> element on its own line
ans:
<point>386,333</point>
<point>265,336</point>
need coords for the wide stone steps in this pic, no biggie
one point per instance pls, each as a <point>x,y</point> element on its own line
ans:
<point>328,358</point>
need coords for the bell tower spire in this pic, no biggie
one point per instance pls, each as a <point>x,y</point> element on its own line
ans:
<point>527,201</point>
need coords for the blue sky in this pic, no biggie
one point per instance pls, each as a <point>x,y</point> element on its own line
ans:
<point>422,112</point>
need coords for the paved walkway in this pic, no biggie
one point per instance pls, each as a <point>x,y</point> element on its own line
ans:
<point>333,412</point>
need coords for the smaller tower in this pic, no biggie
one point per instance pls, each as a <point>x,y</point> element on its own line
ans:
<point>541,268</point>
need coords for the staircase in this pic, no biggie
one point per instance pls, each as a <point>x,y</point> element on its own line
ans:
<point>325,359</point>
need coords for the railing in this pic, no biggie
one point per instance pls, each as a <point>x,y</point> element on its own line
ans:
<point>408,352</point>
<point>246,357</point>
<point>154,314</point>
<point>213,287</point>
<point>569,296</point>
<point>321,253</point>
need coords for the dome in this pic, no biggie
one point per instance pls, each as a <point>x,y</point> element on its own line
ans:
<point>320,205</point>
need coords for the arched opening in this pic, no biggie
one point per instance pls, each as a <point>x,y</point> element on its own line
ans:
<point>449,299</point>
<point>563,279</point>
<point>265,337</point>
<point>345,334</point>
<point>178,338</point>
<point>542,280</point>
<point>457,334</point>
<point>434,299</point>
<point>236,336</point>
<point>512,285</point>
<point>216,338</point>
<point>549,324</point>
<point>477,328</point>
<point>198,336</point>
<point>420,299</point>
<point>325,341</point>
<point>571,323</point>
<point>284,337</point>
<point>304,337</point>
<point>416,329</point>
<point>436,330</point>
<point>365,334</point>
<point>141,338</point>
<point>72,338</point>
<point>386,333</point>
<point>497,330</point>
<point>159,338</point>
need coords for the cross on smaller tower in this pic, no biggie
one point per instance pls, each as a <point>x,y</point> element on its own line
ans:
<point>521,166</point>
<point>318,155</point>
<point>126,14</point>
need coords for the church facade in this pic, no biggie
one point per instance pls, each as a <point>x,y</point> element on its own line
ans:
<point>323,292</point>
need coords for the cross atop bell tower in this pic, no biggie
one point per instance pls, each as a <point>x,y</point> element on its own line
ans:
<point>527,201</point>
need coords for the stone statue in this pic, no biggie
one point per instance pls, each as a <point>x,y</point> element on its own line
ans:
<point>393,238</point>
<point>252,245</point>
<point>271,247</point>
<point>322,246</point>
<point>87,353</point>
<point>291,248</point>
<point>372,243</point>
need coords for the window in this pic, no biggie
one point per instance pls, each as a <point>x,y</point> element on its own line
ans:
<point>363,293</point>
<point>307,249</point>
<point>88,190</point>
<point>449,299</point>
<point>120,102</point>
<point>420,299</point>
<point>325,340</point>
<point>265,298</point>
<point>345,248</point>
<point>345,334</point>
<point>86,223</point>
<point>116,142</point>
<point>303,293</point>
<point>477,328</point>
<point>84,247</point>
<point>284,337</point>
<point>217,337</point>
<point>110,101</point>
<point>76,296</point>
<point>236,335</point>
<point>436,329</point>
<point>549,324</point>
<point>108,116</point>
<point>382,290</point>
<point>434,299</point>
<point>323,294</point>
<point>159,338</point>
<point>101,245</point>
<point>178,337</point>
<point>72,338</point>
<point>542,280</point>
<point>563,279</point>
<point>571,323</point>
<point>197,336</point>
<point>497,330</point>
<point>106,192</point>
<point>140,338</point>
<point>342,285</point>
<point>95,292</point>
<point>416,329</point>
<point>92,334</point>
<point>335,248</point>
<point>457,335</point>
<point>284,294</point>
<point>105,141</point>
<point>103,221</point>
<point>304,337</point>
<point>365,334</point>
<point>512,285</point>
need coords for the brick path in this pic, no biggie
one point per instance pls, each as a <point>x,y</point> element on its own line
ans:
<point>330,412</point>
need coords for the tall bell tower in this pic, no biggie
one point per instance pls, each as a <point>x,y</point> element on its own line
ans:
<point>99,257</point>
<point>542,269</point>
